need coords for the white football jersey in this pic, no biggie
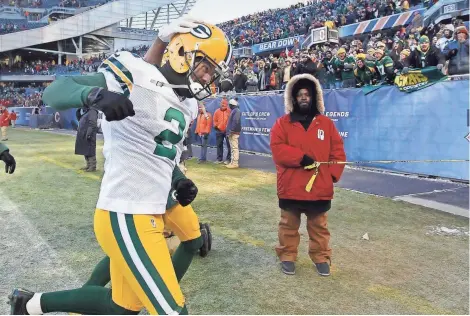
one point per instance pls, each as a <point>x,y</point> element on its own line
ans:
<point>141,151</point>
<point>193,107</point>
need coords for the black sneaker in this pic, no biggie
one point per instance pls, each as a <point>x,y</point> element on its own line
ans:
<point>288,267</point>
<point>17,300</point>
<point>204,250</point>
<point>323,268</point>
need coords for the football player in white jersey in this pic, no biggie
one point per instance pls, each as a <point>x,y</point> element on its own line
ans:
<point>141,153</point>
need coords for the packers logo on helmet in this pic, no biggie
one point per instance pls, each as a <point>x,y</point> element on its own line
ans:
<point>202,54</point>
<point>202,31</point>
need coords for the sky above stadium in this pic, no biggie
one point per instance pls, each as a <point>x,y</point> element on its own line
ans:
<point>216,11</point>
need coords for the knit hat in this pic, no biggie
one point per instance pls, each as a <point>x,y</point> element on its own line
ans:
<point>371,51</point>
<point>405,52</point>
<point>361,57</point>
<point>341,51</point>
<point>423,39</point>
<point>461,29</point>
<point>381,44</point>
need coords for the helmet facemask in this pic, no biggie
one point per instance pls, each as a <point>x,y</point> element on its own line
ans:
<point>199,66</point>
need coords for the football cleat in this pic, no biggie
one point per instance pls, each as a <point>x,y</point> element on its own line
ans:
<point>209,234</point>
<point>17,301</point>
<point>207,240</point>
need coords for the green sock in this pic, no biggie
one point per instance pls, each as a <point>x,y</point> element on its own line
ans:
<point>184,311</point>
<point>88,300</point>
<point>101,274</point>
<point>184,255</point>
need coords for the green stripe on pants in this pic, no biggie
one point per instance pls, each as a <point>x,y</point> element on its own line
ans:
<point>130,263</point>
<point>149,265</point>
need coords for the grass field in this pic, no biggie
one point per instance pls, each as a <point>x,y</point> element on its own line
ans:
<point>47,242</point>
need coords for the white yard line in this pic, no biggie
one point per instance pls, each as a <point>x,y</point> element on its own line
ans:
<point>26,258</point>
<point>429,192</point>
<point>435,205</point>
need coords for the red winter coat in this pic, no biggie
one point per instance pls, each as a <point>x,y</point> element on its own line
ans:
<point>4,118</point>
<point>290,142</point>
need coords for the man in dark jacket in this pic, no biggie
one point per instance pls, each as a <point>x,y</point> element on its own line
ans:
<point>239,81</point>
<point>307,66</point>
<point>234,128</point>
<point>364,75</point>
<point>85,143</point>
<point>298,139</point>
<point>426,55</point>
<point>457,52</point>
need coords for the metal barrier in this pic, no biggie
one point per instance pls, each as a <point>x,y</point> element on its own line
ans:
<point>232,94</point>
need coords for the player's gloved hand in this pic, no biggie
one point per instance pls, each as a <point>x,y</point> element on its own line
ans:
<point>182,25</point>
<point>440,66</point>
<point>405,70</point>
<point>115,106</point>
<point>186,191</point>
<point>307,161</point>
<point>10,163</point>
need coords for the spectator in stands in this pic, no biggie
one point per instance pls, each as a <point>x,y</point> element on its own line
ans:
<point>226,83</point>
<point>425,55</point>
<point>344,69</point>
<point>307,66</point>
<point>203,129</point>
<point>239,81</point>
<point>262,76</point>
<point>457,52</point>
<point>396,50</point>
<point>234,128</point>
<point>85,142</point>
<point>328,64</point>
<point>286,73</point>
<point>446,38</point>
<point>221,116</point>
<point>13,117</point>
<point>364,75</point>
<point>299,139</point>
<point>385,66</point>
<point>4,122</point>
<point>370,58</point>
<point>404,61</point>
<point>274,77</point>
<point>252,81</point>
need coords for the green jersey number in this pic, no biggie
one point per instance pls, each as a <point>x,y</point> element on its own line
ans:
<point>169,136</point>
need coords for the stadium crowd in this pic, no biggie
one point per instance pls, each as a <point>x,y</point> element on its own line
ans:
<point>375,58</point>
<point>354,62</point>
<point>51,3</point>
<point>13,95</point>
<point>301,18</point>
<point>50,67</point>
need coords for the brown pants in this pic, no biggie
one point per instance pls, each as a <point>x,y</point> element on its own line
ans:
<point>4,133</point>
<point>289,237</point>
<point>233,139</point>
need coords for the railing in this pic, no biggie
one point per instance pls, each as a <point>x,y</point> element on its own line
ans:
<point>272,92</point>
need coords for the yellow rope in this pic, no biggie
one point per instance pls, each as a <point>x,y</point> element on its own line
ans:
<point>316,165</point>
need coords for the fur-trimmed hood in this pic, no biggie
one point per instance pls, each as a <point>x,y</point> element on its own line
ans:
<point>289,102</point>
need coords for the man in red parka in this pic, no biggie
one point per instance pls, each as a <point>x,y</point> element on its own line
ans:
<point>300,138</point>
<point>4,122</point>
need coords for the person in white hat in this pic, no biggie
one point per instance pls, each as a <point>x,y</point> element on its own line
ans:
<point>234,128</point>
